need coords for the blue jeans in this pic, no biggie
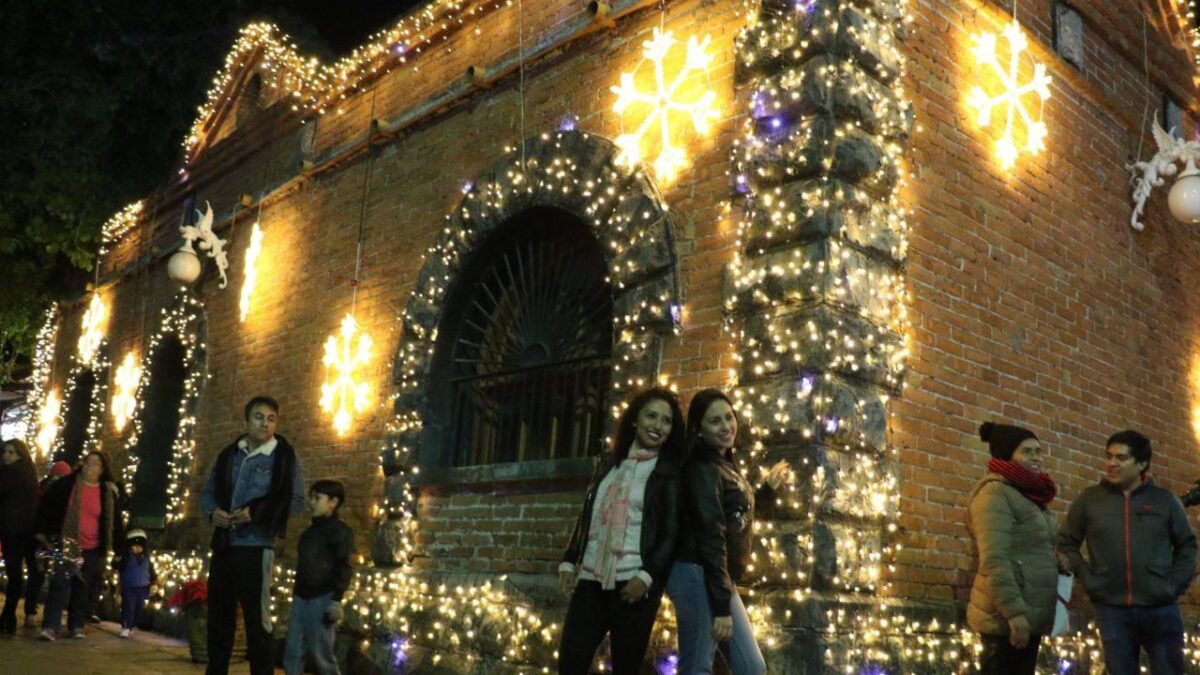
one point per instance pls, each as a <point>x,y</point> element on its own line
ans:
<point>697,648</point>
<point>309,632</point>
<point>72,593</point>
<point>132,602</point>
<point>1125,631</point>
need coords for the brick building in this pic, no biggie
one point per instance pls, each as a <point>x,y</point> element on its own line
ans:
<point>842,249</point>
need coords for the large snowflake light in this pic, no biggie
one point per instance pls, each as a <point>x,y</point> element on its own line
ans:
<point>1012,94</point>
<point>342,394</point>
<point>92,329</point>
<point>678,97</point>
<point>48,423</point>
<point>251,277</point>
<point>124,401</point>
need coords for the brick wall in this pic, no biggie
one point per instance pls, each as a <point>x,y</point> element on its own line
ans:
<point>1032,299</point>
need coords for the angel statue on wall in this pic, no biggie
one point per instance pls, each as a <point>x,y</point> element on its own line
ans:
<point>1161,165</point>
<point>208,241</point>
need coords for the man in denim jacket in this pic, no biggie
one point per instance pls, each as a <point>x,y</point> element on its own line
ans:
<point>255,484</point>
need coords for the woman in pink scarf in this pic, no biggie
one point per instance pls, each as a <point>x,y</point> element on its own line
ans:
<point>623,545</point>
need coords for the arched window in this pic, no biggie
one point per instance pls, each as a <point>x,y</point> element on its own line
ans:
<point>79,414</point>
<point>160,427</point>
<point>523,359</point>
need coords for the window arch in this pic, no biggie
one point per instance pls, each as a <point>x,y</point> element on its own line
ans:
<point>159,428</point>
<point>524,354</point>
<point>78,417</point>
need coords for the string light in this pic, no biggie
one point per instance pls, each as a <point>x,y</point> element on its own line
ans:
<point>664,101</point>
<point>48,422</point>
<point>345,393</point>
<point>116,227</point>
<point>124,402</point>
<point>39,379</point>
<point>251,270</point>
<point>95,321</point>
<point>1011,95</point>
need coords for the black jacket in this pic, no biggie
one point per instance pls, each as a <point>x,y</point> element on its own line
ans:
<point>18,498</point>
<point>52,511</point>
<point>718,523</point>
<point>660,520</point>
<point>324,558</point>
<point>269,512</point>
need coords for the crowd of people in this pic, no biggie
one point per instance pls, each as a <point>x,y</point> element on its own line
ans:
<point>668,512</point>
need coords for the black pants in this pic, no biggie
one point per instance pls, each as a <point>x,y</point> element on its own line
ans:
<point>16,546</point>
<point>1001,658</point>
<point>36,571</point>
<point>595,612</point>
<point>240,575</point>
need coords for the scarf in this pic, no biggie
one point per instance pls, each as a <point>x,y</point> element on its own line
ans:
<point>614,516</point>
<point>1038,488</point>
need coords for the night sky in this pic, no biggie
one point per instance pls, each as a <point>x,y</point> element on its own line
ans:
<point>346,25</point>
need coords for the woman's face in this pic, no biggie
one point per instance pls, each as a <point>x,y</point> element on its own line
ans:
<point>93,468</point>
<point>1029,454</point>
<point>653,424</point>
<point>10,454</point>
<point>719,426</point>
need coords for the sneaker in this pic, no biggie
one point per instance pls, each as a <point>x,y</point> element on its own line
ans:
<point>77,634</point>
<point>46,636</point>
<point>31,621</point>
<point>95,618</point>
<point>124,633</point>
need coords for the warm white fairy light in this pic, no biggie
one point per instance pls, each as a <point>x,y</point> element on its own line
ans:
<point>124,401</point>
<point>49,421</point>
<point>95,321</point>
<point>345,392</point>
<point>39,379</point>
<point>659,106</point>
<point>251,270</point>
<point>1011,94</point>
<point>119,225</point>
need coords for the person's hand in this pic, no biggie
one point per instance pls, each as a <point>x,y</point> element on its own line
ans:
<point>633,590</point>
<point>1064,565</point>
<point>240,516</point>
<point>1018,631</point>
<point>779,473</point>
<point>334,612</point>
<point>221,518</point>
<point>566,582</point>
<point>722,628</point>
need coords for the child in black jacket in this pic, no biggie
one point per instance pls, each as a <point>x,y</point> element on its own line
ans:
<point>322,577</point>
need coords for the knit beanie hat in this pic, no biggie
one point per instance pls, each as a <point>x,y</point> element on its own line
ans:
<point>60,468</point>
<point>136,536</point>
<point>1003,439</point>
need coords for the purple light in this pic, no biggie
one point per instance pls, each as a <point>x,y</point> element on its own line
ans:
<point>676,313</point>
<point>832,424</point>
<point>873,669</point>
<point>399,49</point>
<point>1065,666</point>
<point>743,186</point>
<point>805,5</point>
<point>776,123</point>
<point>567,123</point>
<point>804,385</point>
<point>399,657</point>
<point>667,665</point>
<point>467,186</point>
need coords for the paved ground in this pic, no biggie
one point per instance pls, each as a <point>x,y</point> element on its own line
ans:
<point>101,653</point>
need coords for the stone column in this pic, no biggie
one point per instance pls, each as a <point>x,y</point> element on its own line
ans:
<point>817,297</point>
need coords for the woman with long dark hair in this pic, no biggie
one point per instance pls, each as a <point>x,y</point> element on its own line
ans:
<point>623,544</point>
<point>79,509</point>
<point>18,497</point>
<point>718,523</point>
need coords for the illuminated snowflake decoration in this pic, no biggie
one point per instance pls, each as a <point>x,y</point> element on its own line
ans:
<point>251,277</point>
<point>124,401</point>
<point>665,102</point>
<point>48,422</point>
<point>1012,96</point>
<point>92,329</point>
<point>341,394</point>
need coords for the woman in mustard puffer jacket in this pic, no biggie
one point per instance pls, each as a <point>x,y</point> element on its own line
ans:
<point>1014,591</point>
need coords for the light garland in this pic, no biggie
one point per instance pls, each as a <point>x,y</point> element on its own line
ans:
<point>98,366</point>
<point>116,227</point>
<point>345,393</point>
<point>664,102</point>
<point>124,401</point>
<point>1011,95</point>
<point>92,329</point>
<point>39,379</point>
<point>184,320</point>
<point>250,278</point>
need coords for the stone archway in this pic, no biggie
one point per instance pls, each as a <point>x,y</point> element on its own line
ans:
<point>575,172</point>
<point>85,399</point>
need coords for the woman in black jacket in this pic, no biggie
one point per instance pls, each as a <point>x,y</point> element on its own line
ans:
<point>80,509</point>
<point>621,550</point>
<point>18,497</point>
<point>718,523</point>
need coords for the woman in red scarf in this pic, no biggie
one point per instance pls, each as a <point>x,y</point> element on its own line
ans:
<point>1014,591</point>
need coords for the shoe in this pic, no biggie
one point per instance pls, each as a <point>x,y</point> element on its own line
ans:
<point>31,621</point>
<point>46,636</point>
<point>94,618</point>
<point>78,634</point>
<point>124,633</point>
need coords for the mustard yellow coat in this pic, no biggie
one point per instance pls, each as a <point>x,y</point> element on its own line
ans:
<point>1018,573</point>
